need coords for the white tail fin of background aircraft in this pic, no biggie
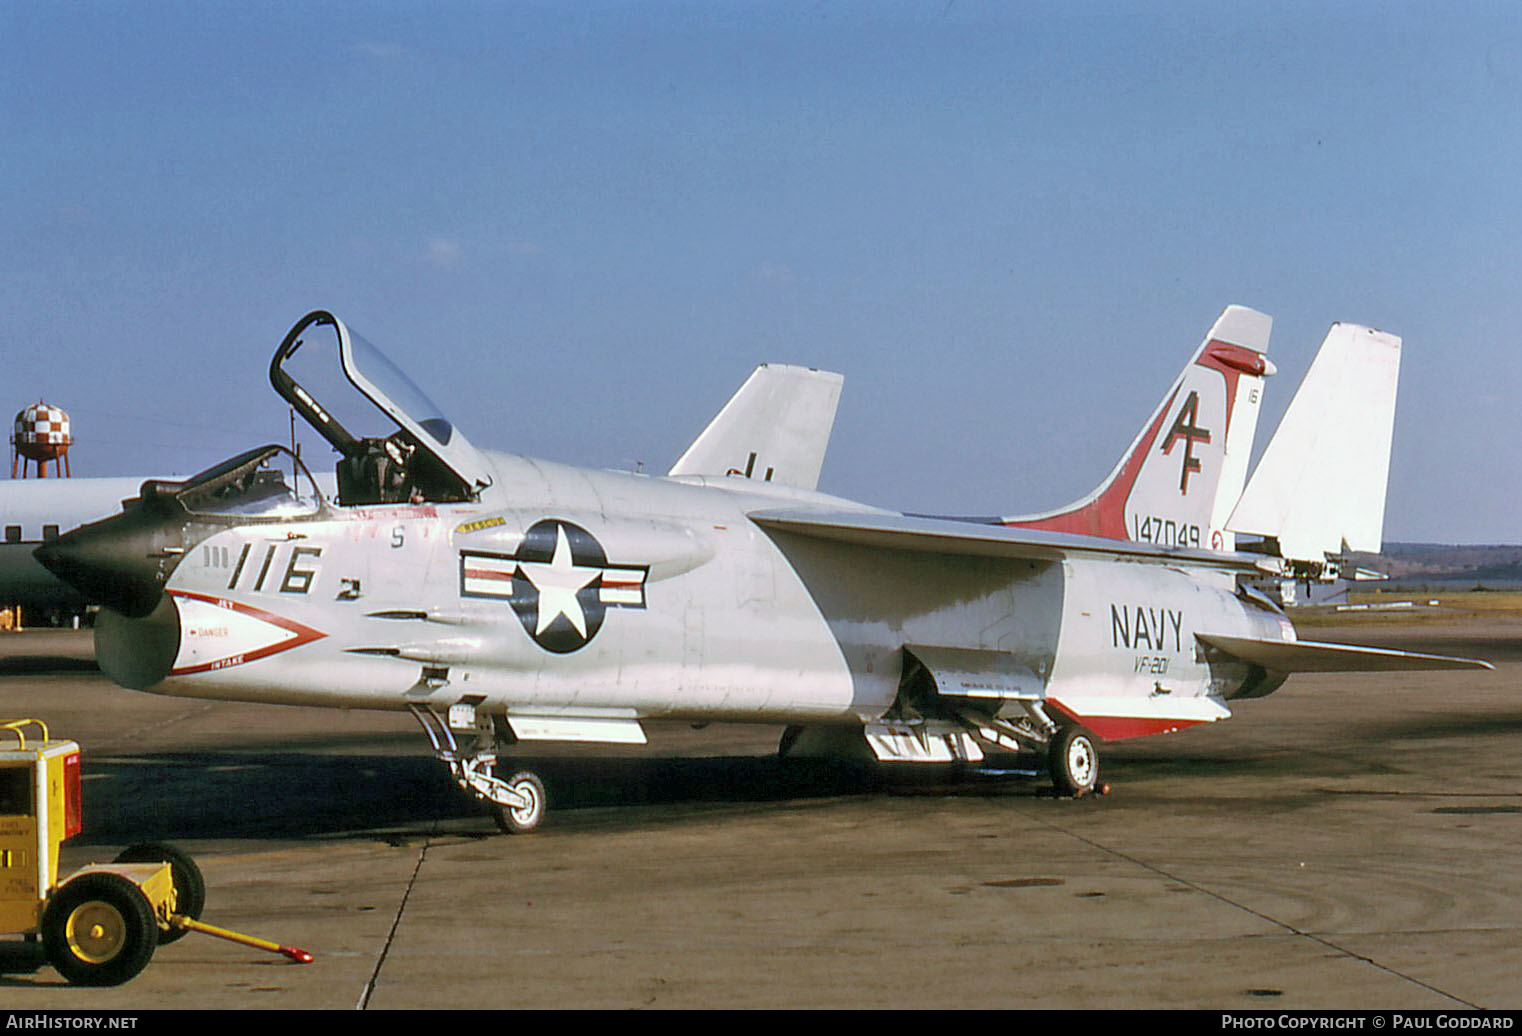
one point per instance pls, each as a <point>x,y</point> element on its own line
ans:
<point>774,429</point>
<point>1320,486</point>
<point>1178,482</point>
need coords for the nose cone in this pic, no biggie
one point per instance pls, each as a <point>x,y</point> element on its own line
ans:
<point>120,562</point>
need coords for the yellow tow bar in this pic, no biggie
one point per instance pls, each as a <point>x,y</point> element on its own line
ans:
<point>290,952</point>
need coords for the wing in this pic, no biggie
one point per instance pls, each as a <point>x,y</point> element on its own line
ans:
<point>981,539</point>
<point>969,538</point>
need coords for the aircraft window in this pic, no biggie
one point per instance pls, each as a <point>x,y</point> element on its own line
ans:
<point>13,534</point>
<point>378,369</point>
<point>324,394</point>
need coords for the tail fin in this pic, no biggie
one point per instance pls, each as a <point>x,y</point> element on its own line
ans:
<point>1320,487</point>
<point>1177,483</point>
<point>774,429</point>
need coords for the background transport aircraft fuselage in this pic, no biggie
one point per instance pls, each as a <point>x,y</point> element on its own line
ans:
<point>34,511</point>
<point>508,599</point>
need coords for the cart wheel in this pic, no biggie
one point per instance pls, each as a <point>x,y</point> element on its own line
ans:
<point>189,886</point>
<point>99,930</point>
<point>526,818</point>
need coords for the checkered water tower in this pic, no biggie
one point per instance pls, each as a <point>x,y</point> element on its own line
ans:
<point>41,435</point>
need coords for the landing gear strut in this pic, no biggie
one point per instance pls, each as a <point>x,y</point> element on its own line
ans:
<point>517,804</point>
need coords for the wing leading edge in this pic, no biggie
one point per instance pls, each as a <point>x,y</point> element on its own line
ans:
<point>977,539</point>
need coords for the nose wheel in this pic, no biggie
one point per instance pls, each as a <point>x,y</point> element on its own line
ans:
<point>529,814</point>
<point>517,804</point>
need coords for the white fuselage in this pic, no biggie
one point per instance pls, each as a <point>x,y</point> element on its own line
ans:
<point>691,611</point>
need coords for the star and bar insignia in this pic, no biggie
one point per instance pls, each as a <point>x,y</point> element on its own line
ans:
<point>559,582</point>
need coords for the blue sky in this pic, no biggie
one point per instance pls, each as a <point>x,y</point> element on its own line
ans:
<point>581,225</point>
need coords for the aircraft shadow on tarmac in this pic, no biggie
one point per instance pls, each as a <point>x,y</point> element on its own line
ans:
<point>295,794</point>
<point>45,665</point>
<point>372,785</point>
<point>234,794</point>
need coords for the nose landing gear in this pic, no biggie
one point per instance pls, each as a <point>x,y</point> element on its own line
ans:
<point>518,804</point>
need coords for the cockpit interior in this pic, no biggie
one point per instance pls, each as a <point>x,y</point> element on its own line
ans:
<point>394,445</point>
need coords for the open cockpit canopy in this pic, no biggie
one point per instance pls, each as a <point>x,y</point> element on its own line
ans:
<point>395,444</point>
<point>251,485</point>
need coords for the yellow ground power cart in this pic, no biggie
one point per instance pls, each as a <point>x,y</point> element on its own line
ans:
<point>101,924</point>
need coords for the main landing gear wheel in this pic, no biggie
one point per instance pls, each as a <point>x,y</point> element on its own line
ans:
<point>1074,761</point>
<point>518,820</point>
<point>189,886</point>
<point>99,930</point>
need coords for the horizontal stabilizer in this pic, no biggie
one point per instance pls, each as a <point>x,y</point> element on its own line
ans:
<point>1302,656</point>
<point>1320,487</point>
<point>774,429</point>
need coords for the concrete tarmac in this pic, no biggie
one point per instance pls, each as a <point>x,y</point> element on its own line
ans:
<point>1350,842</point>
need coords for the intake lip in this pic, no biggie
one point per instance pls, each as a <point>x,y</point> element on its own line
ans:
<point>138,652</point>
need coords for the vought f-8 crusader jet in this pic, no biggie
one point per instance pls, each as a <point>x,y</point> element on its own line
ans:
<point>505,600</point>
